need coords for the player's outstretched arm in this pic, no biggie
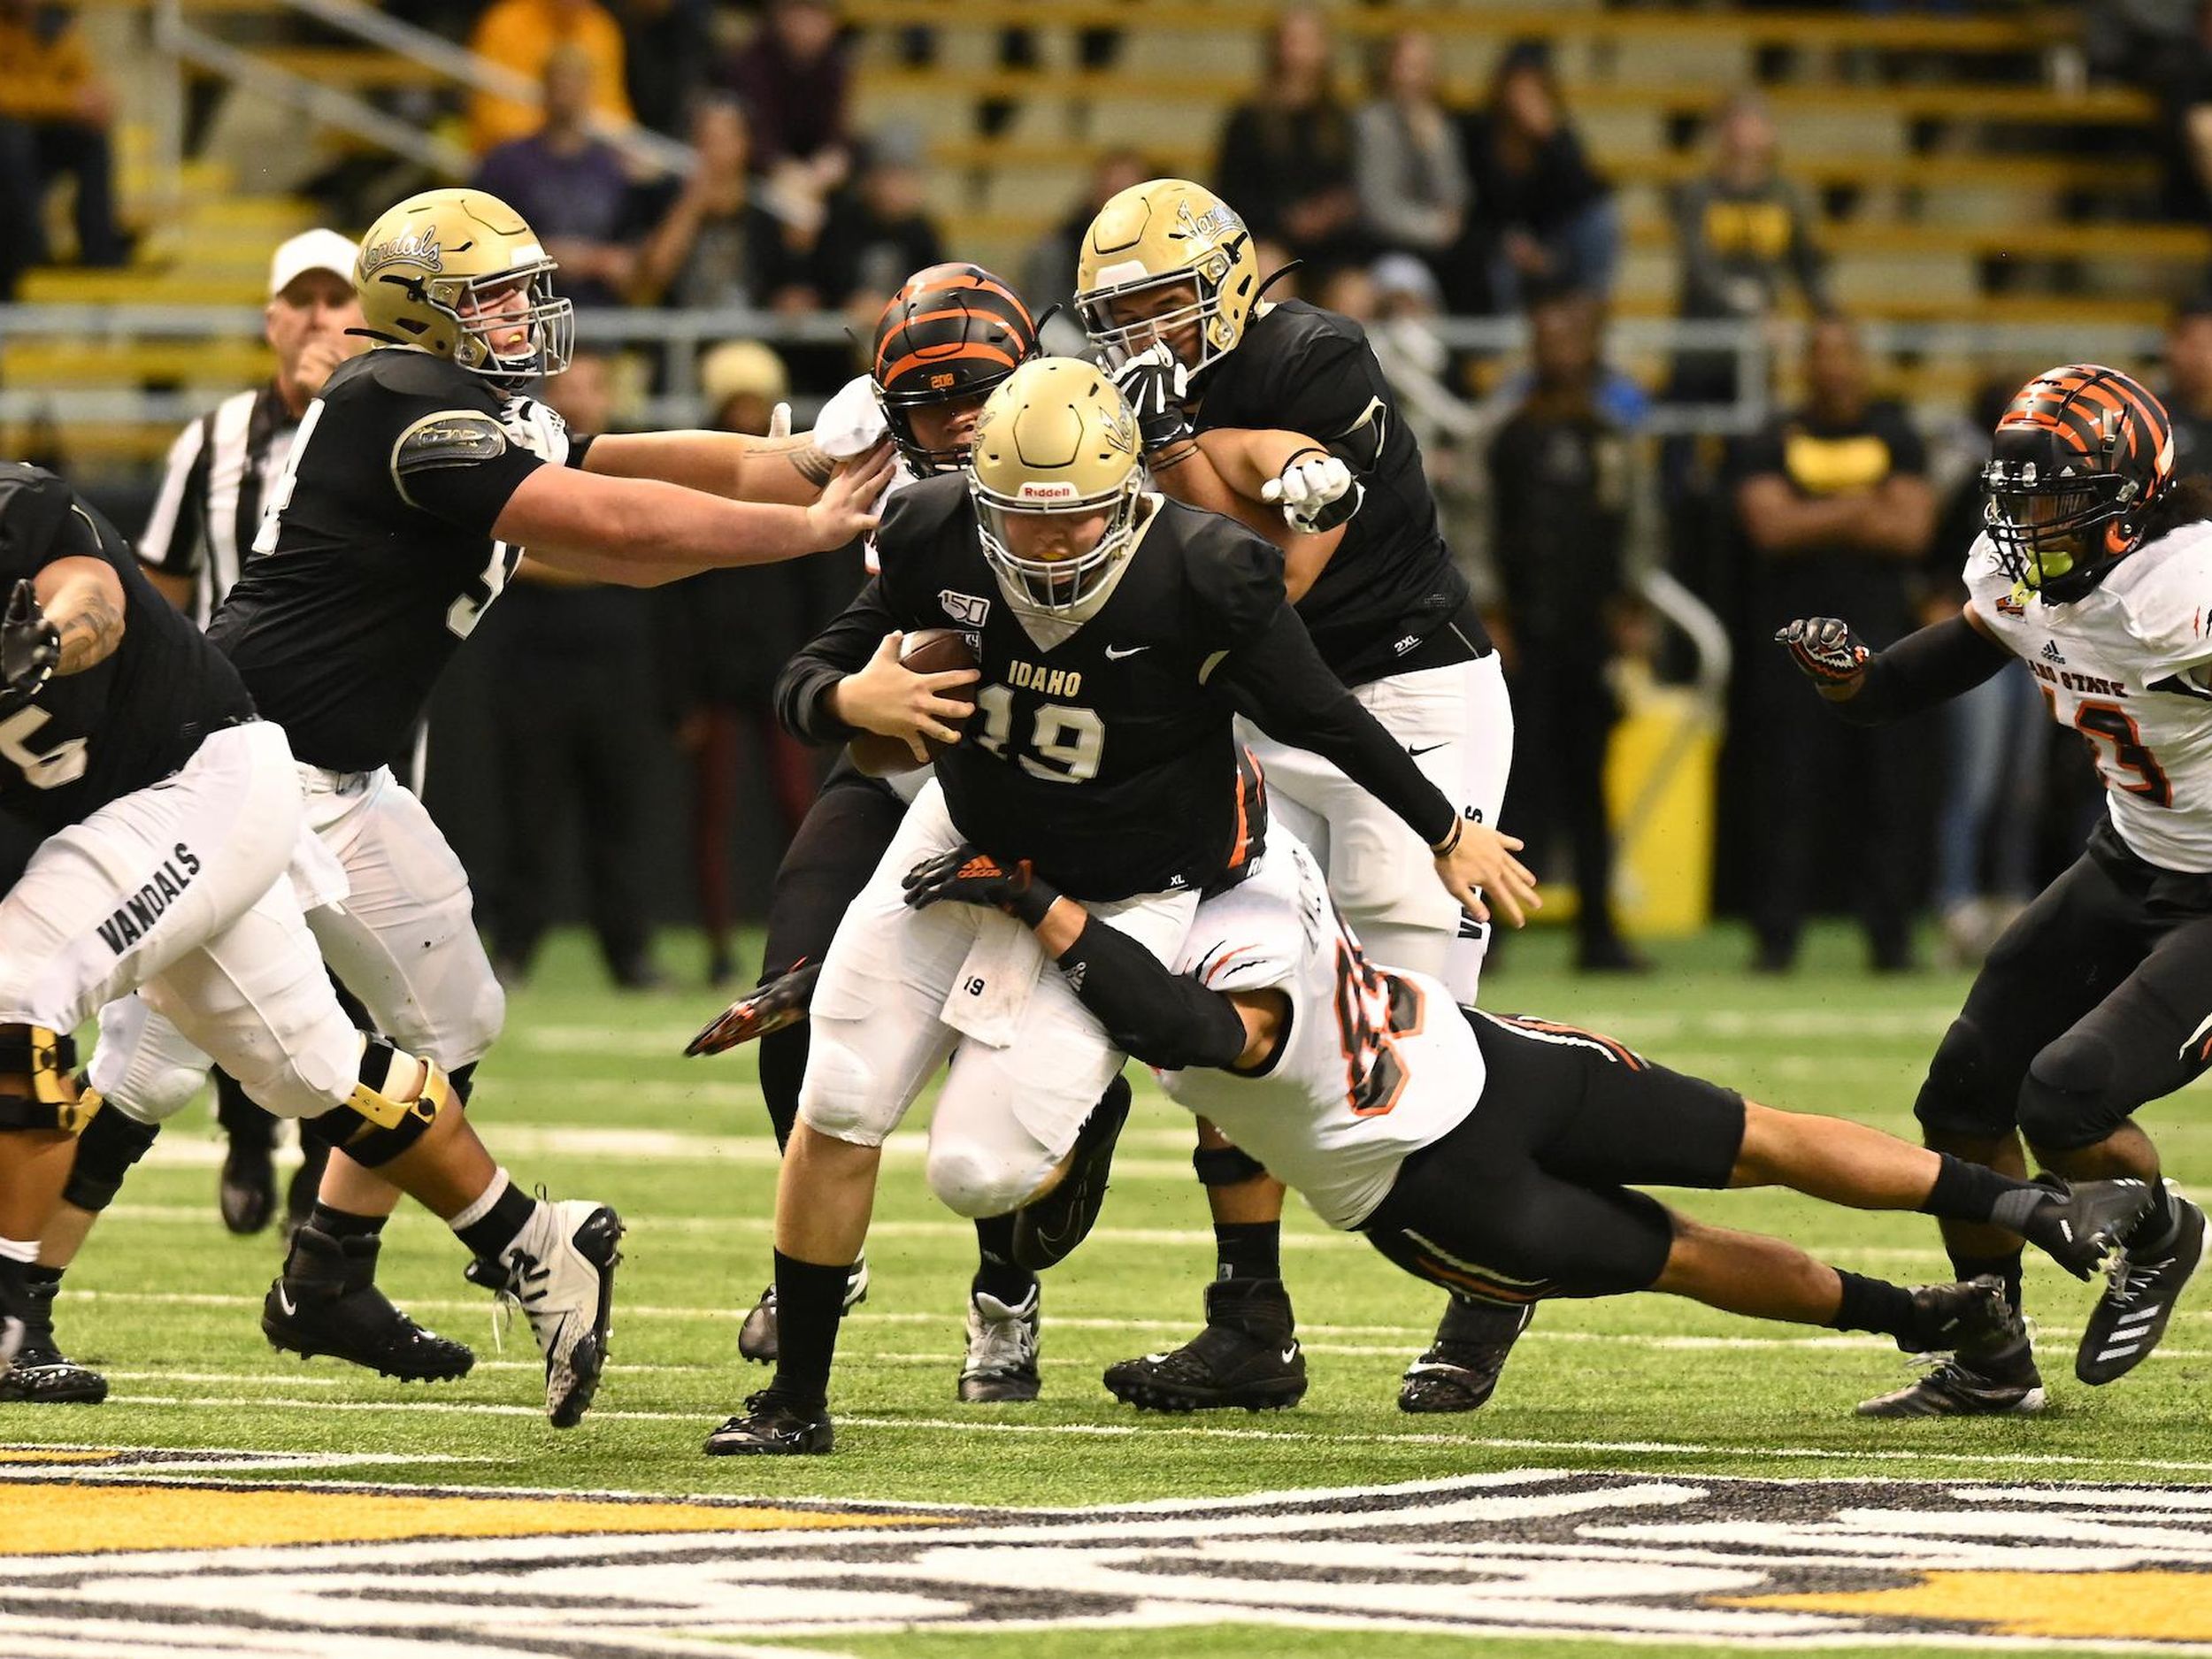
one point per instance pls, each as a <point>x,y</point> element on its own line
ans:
<point>1164,1019</point>
<point>1871,688</point>
<point>1279,680</point>
<point>788,468</point>
<point>643,531</point>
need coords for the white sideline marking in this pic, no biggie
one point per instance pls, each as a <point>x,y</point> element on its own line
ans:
<point>1188,1431</point>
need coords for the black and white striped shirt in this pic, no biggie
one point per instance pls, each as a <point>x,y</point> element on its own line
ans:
<point>203,521</point>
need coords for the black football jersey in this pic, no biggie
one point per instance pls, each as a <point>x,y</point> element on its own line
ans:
<point>126,722</point>
<point>375,558</point>
<point>1107,758</point>
<point>1391,583</point>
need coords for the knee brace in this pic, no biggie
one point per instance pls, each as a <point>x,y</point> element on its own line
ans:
<point>1226,1166</point>
<point>1965,1092</point>
<point>38,1088</point>
<point>110,1145</point>
<point>2067,1099</point>
<point>974,1181</point>
<point>375,1124</point>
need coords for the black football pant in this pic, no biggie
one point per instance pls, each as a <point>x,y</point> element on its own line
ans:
<point>2096,999</point>
<point>1530,1195</point>
<point>840,842</point>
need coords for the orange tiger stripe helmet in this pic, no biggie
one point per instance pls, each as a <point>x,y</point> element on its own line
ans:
<point>951,332</point>
<point>2079,454</point>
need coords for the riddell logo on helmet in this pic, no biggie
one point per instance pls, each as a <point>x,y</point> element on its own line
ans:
<point>1047,492</point>
<point>416,248</point>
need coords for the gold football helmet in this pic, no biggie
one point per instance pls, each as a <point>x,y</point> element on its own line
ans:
<point>460,274</point>
<point>1055,440</point>
<point>1144,244</point>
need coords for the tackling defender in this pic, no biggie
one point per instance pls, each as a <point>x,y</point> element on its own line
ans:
<point>2093,570</point>
<point>1116,635</point>
<point>1487,1154</point>
<point>153,836</point>
<point>1169,292</point>
<point>419,475</point>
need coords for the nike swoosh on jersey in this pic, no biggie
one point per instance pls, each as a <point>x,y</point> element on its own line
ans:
<point>1114,655</point>
<point>1417,753</point>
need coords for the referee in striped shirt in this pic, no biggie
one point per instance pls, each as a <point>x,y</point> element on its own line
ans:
<point>202,529</point>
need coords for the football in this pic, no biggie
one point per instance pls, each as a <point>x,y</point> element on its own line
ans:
<point>925,652</point>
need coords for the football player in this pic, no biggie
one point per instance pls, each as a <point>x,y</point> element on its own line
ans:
<point>1278,415</point>
<point>1117,633</point>
<point>419,474</point>
<point>1493,1155</point>
<point>948,336</point>
<point>153,836</point>
<point>2093,570</point>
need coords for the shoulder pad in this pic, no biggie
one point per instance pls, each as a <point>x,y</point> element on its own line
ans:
<point>415,373</point>
<point>919,511</point>
<point>452,437</point>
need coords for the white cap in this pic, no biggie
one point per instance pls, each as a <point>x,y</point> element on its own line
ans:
<point>311,251</point>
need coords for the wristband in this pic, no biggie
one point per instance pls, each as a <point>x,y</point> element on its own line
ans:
<point>1446,848</point>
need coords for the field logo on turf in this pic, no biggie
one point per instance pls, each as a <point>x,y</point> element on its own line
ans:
<point>102,1555</point>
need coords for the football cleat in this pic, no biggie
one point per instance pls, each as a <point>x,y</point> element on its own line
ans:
<point>1001,1361</point>
<point>326,1303</point>
<point>2080,1225</point>
<point>2004,1383</point>
<point>1972,1316</point>
<point>2130,1317</point>
<point>1046,1230</point>
<point>17,1313</point>
<point>246,1193</point>
<point>756,1337</point>
<point>1247,1355</point>
<point>1461,1370</point>
<point>760,1011</point>
<point>41,1375</point>
<point>559,1271</point>
<point>773,1427</point>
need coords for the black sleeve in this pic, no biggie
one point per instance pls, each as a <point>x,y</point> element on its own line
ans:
<point>1280,682</point>
<point>1164,1019</point>
<point>459,464</point>
<point>843,648</point>
<point>1922,670</point>
<point>34,510</point>
<point>1908,454</point>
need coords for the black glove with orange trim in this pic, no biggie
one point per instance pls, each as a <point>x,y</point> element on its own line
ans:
<point>1825,650</point>
<point>968,875</point>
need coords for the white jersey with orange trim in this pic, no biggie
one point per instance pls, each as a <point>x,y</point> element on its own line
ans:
<point>2126,666</point>
<point>1377,1063</point>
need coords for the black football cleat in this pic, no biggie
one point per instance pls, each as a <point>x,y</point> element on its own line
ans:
<point>2145,1283</point>
<point>756,1337</point>
<point>2001,1383</point>
<point>246,1194</point>
<point>327,1303</point>
<point>1461,1370</point>
<point>1046,1230</point>
<point>773,1427</point>
<point>1001,1365</point>
<point>765,1009</point>
<point>1247,1355</point>
<point>41,1374</point>
<point>2080,1225</point>
<point>1969,1317</point>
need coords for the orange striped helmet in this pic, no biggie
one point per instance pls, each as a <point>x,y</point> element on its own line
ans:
<point>951,332</point>
<point>2079,453</point>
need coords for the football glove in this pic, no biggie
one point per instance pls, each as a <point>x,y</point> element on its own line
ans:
<point>538,427</point>
<point>1824,649</point>
<point>764,1009</point>
<point>30,646</point>
<point>1315,491</point>
<point>968,875</point>
<point>1157,385</point>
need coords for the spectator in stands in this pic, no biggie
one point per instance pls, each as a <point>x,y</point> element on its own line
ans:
<point>794,82</point>
<point>2188,388</point>
<point>716,245</point>
<point>572,719</point>
<point>522,35</point>
<point>667,46</point>
<point>56,113</point>
<point>1411,176</point>
<point>572,187</point>
<point>1571,525</point>
<point>1834,503</point>
<point>1744,232</point>
<point>1049,268</point>
<point>1286,155</point>
<point>1545,214</point>
<point>1995,735</point>
<point>2180,75</point>
<point>728,634</point>
<point>878,231</point>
